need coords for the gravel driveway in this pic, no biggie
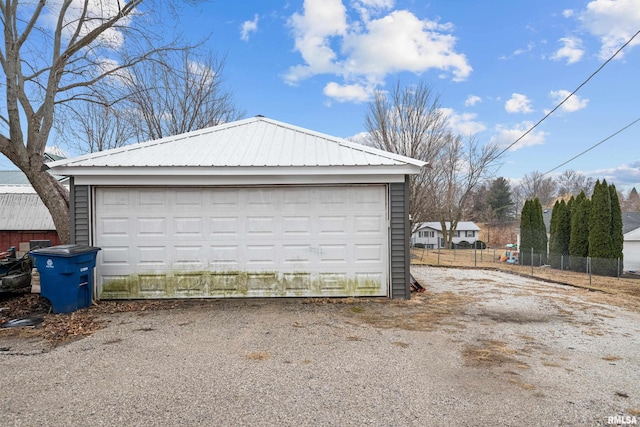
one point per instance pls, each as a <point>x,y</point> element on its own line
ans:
<point>478,348</point>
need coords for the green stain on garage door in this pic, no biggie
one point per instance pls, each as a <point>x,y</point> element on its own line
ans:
<point>226,284</point>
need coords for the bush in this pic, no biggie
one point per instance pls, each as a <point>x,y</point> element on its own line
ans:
<point>479,244</point>
<point>419,245</point>
<point>464,245</point>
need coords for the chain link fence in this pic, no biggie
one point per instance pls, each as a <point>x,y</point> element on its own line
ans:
<point>580,271</point>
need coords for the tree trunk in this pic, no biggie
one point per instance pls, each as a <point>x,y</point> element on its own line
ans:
<point>56,198</point>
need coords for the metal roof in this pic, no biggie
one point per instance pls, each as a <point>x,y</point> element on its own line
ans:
<point>255,142</point>
<point>462,226</point>
<point>23,211</point>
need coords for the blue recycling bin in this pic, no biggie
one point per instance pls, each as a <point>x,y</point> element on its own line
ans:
<point>66,275</point>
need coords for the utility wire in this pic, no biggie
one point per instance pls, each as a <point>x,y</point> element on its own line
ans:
<point>571,94</point>
<point>594,146</point>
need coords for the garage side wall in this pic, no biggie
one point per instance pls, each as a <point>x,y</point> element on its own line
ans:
<point>79,214</point>
<point>400,255</point>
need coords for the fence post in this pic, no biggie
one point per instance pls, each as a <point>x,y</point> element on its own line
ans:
<point>589,268</point>
<point>562,262</point>
<point>438,256</point>
<point>618,267</point>
<point>475,256</point>
<point>532,261</point>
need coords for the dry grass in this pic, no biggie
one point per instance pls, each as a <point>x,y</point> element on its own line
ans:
<point>424,312</point>
<point>626,287</point>
<point>611,358</point>
<point>259,355</point>
<point>491,353</point>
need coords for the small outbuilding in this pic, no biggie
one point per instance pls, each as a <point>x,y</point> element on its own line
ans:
<point>253,208</point>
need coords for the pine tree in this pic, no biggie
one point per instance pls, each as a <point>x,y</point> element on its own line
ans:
<point>526,233</point>
<point>617,237</point>
<point>540,232</point>
<point>499,199</point>
<point>579,238</point>
<point>600,241</point>
<point>564,228</point>
<point>554,244</point>
<point>560,231</point>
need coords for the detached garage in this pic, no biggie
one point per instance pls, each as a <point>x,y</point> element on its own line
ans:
<point>253,208</point>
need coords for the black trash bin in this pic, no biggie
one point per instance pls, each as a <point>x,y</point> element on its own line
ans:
<point>66,275</point>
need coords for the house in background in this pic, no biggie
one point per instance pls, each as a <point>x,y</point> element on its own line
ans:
<point>631,246</point>
<point>429,235</point>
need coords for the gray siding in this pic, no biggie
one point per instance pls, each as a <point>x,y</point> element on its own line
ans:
<point>80,214</point>
<point>400,255</point>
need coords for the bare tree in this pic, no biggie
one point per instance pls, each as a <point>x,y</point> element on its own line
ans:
<point>171,94</point>
<point>534,185</point>
<point>55,53</point>
<point>571,183</point>
<point>410,121</point>
<point>177,93</point>
<point>93,127</point>
<point>462,168</point>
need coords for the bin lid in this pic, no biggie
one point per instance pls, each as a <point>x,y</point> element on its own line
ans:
<point>65,250</point>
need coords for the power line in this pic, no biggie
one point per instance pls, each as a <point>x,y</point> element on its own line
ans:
<point>594,146</point>
<point>571,94</point>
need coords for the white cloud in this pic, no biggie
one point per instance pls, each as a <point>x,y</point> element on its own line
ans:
<point>520,51</point>
<point>348,93</point>
<point>364,51</point>
<point>508,135</point>
<point>96,13</point>
<point>248,27</point>
<point>571,50</point>
<point>518,104</point>
<point>572,104</point>
<point>472,100</point>
<point>568,13</point>
<point>625,176</point>
<point>464,123</point>
<point>613,22</point>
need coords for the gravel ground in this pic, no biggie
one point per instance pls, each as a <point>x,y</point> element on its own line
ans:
<point>478,348</point>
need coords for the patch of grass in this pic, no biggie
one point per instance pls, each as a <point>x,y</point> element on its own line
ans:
<point>357,309</point>
<point>354,338</point>
<point>400,344</point>
<point>491,353</point>
<point>611,358</point>
<point>259,355</point>
<point>524,385</point>
<point>633,411</point>
<point>551,364</point>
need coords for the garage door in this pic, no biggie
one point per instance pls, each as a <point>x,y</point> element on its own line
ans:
<point>236,242</point>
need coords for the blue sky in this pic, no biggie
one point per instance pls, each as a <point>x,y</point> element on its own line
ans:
<point>499,67</point>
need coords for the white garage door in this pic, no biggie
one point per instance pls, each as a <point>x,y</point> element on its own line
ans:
<point>235,242</point>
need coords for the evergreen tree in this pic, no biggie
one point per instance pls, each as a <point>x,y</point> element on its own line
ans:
<point>560,232</point>
<point>533,233</point>
<point>554,246</point>
<point>564,228</point>
<point>540,232</point>
<point>526,233</point>
<point>617,237</point>
<point>579,238</point>
<point>499,199</point>
<point>600,241</point>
